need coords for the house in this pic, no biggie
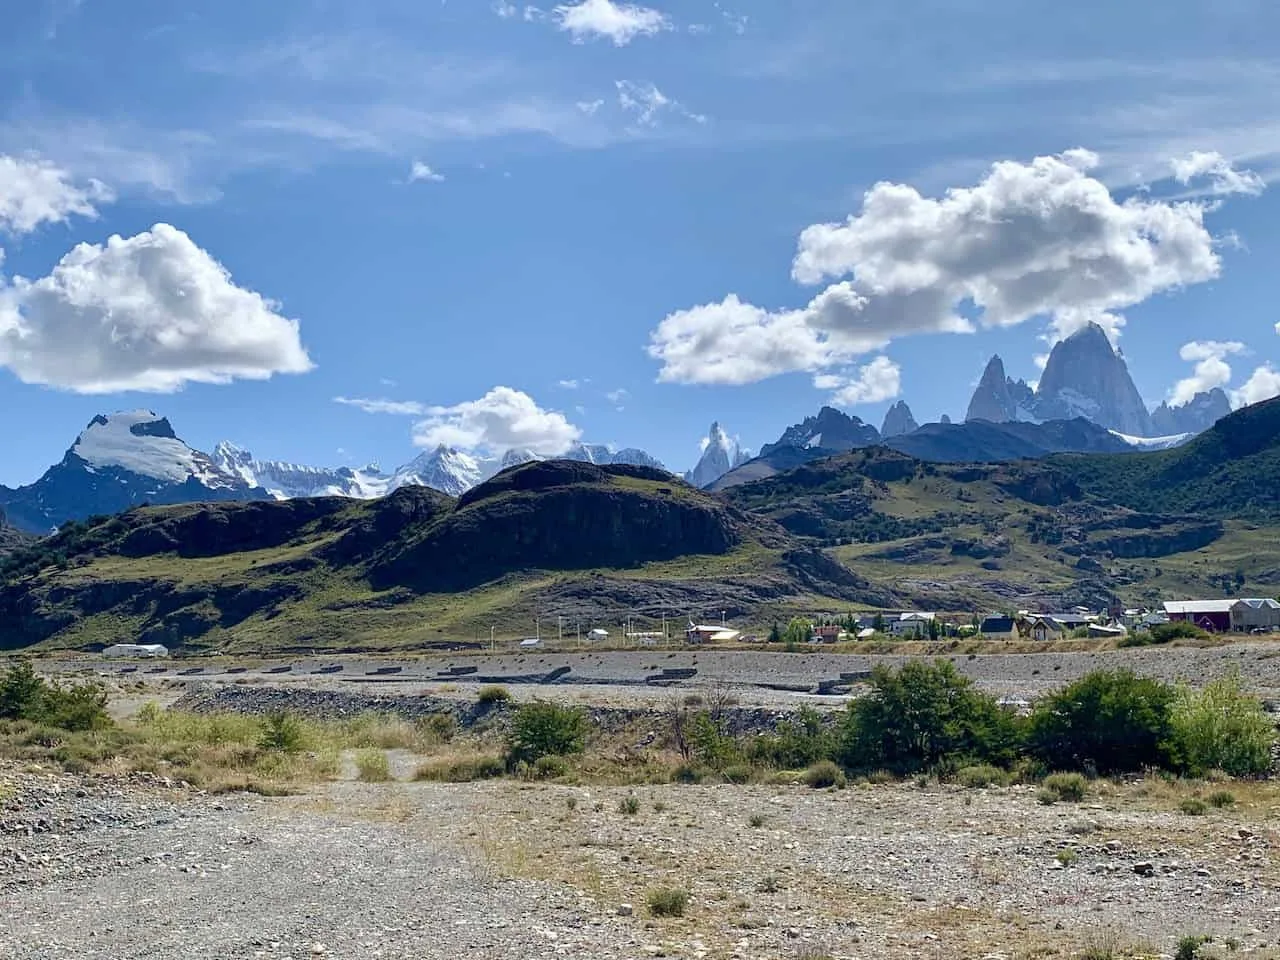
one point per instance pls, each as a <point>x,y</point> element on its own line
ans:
<point>1211,615</point>
<point>827,634</point>
<point>912,624</point>
<point>597,635</point>
<point>1113,632</point>
<point>998,627</point>
<point>1045,629</point>
<point>1249,615</point>
<point>711,633</point>
<point>136,650</point>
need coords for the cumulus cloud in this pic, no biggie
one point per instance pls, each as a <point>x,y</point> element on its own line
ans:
<point>500,420</point>
<point>1038,239</point>
<point>400,408</point>
<point>1211,370</point>
<point>420,171</point>
<point>881,379</point>
<point>1217,170</point>
<point>151,312</point>
<point>33,192</point>
<point>619,22</point>
<point>1262,385</point>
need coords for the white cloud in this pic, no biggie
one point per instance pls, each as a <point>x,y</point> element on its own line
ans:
<point>590,107</point>
<point>1212,369</point>
<point>569,384</point>
<point>1038,239</point>
<point>1222,176</point>
<point>617,396</point>
<point>619,22</point>
<point>1262,385</point>
<point>401,408</point>
<point>506,10</point>
<point>500,420</point>
<point>646,103</point>
<point>881,379</point>
<point>33,192</point>
<point>152,312</point>
<point>421,172</point>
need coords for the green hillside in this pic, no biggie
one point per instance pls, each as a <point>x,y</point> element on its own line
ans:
<point>590,544</point>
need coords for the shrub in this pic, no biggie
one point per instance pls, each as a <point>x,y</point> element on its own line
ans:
<point>668,901</point>
<point>1189,947</point>
<point>543,729</point>
<point>1067,857</point>
<point>982,775</point>
<point>738,773</point>
<point>438,727</point>
<point>26,696</point>
<point>462,770</point>
<point>688,773</point>
<point>281,731</point>
<point>824,773</point>
<point>629,805</point>
<point>795,743</point>
<point>550,767</point>
<point>923,714</point>
<point>493,695</point>
<point>1109,719</point>
<point>1066,786</point>
<point>373,766</point>
<point>1222,798</point>
<point>1221,728</point>
<point>1193,807</point>
<point>756,820</point>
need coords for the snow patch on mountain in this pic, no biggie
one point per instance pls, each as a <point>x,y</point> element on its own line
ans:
<point>144,443</point>
<point>1154,443</point>
<point>284,481</point>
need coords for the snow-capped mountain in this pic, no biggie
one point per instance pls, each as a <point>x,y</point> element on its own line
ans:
<point>445,469</point>
<point>1085,377</point>
<point>284,481</point>
<point>1195,416</point>
<point>831,429</point>
<point>720,454</point>
<point>898,421</point>
<point>1154,443</point>
<point>120,461</point>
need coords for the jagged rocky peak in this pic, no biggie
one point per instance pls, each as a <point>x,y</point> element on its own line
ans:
<point>831,429</point>
<point>1087,377</point>
<point>945,418</point>
<point>1000,398</point>
<point>898,421</point>
<point>1196,415</point>
<point>720,454</point>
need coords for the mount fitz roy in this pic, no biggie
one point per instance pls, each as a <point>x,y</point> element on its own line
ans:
<point>720,454</point>
<point>1087,377</point>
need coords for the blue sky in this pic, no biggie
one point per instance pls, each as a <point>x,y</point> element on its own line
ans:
<point>615,212</point>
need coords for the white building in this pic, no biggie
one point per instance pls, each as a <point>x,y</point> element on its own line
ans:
<point>912,624</point>
<point>597,635</point>
<point>136,650</point>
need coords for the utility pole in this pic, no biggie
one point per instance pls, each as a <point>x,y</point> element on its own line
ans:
<point>559,628</point>
<point>491,629</point>
<point>537,628</point>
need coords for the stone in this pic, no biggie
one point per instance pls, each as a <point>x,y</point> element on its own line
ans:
<point>625,910</point>
<point>1144,868</point>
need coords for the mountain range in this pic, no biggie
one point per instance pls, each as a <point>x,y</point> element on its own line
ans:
<point>868,528</point>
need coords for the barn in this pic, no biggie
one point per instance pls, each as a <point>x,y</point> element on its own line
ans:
<point>1211,615</point>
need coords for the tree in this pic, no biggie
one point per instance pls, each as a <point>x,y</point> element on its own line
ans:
<point>799,630</point>
<point>879,625</point>
<point>1222,728</point>
<point>542,729</point>
<point>775,633</point>
<point>20,692</point>
<point>924,714</point>
<point>935,629</point>
<point>1110,719</point>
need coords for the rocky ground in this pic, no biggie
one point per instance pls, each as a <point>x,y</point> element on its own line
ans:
<point>132,868</point>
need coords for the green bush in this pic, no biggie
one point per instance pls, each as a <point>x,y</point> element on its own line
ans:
<point>462,770</point>
<point>921,715</point>
<point>738,773</point>
<point>1189,947</point>
<point>629,805</point>
<point>824,773</point>
<point>541,729</point>
<point>668,901</point>
<point>1109,719</point>
<point>1222,728</point>
<point>282,731</point>
<point>550,767</point>
<point>982,775</point>
<point>26,696</point>
<point>688,773</point>
<point>373,766</point>
<point>1193,807</point>
<point>489,696</point>
<point>1222,798</point>
<point>1066,786</point>
<point>795,743</point>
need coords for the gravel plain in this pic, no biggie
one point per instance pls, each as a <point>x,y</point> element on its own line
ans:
<point>132,868</point>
